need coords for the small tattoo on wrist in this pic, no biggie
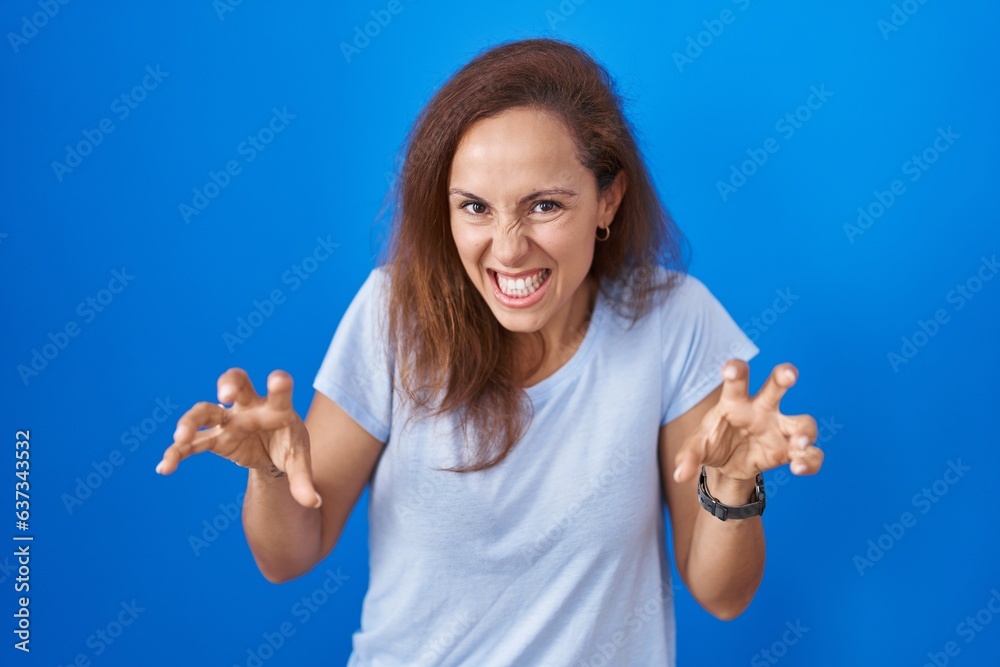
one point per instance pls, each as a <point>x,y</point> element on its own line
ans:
<point>275,472</point>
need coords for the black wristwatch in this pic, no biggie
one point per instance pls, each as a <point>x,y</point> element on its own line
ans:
<point>723,512</point>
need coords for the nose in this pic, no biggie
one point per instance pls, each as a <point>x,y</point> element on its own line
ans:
<point>510,245</point>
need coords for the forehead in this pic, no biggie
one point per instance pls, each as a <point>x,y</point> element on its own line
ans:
<point>515,150</point>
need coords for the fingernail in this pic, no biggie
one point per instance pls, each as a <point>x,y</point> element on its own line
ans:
<point>319,500</point>
<point>798,467</point>
<point>729,372</point>
<point>802,441</point>
<point>225,393</point>
<point>159,467</point>
<point>677,474</point>
<point>790,375</point>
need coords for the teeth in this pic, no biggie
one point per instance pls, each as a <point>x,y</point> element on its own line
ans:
<point>521,287</point>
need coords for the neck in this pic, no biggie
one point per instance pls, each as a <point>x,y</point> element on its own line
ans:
<point>562,335</point>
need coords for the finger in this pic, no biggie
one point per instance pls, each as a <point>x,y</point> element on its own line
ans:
<point>297,464</point>
<point>688,461</point>
<point>187,438</point>
<point>279,390</point>
<point>202,415</point>
<point>234,386</point>
<point>178,451</point>
<point>736,380</point>
<point>807,461</point>
<point>782,377</point>
<point>804,456</point>
<point>801,430</point>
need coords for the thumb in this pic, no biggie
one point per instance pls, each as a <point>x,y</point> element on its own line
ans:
<point>298,466</point>
<point>687,462</point>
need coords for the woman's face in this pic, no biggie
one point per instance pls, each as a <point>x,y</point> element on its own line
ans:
<point>524,214</point>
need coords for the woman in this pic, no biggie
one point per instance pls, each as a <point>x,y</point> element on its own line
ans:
<point>524,383</point>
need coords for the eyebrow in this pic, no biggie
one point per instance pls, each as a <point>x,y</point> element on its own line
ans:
<point>522,200</point>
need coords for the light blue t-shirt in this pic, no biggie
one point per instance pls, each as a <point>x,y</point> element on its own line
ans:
<point>557,556</point>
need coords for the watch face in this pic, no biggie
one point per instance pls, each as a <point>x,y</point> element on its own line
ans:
<point>761,494</point>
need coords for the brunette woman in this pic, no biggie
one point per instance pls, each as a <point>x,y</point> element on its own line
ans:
<point>525,383</point>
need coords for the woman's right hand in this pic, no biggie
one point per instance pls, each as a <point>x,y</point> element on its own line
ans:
<point>258,432</point>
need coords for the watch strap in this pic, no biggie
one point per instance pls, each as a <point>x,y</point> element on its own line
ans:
<point>723,511</point>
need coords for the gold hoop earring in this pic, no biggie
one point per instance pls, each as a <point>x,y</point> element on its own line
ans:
<point>607,233</point>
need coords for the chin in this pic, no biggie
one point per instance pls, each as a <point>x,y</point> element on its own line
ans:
<point>519,323</point>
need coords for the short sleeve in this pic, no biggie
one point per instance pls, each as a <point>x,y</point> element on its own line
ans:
<point>699,337</point>
<point>357,370</point>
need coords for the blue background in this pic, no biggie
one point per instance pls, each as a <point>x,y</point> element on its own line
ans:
<point>892,430</point>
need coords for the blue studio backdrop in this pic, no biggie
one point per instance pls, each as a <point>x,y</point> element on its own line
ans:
<point>192,187</point>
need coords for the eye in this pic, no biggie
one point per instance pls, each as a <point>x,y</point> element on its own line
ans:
<point>474,207</point>
<point>547,206</point>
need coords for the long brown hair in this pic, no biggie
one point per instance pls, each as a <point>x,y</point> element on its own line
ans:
<point>451,352</point>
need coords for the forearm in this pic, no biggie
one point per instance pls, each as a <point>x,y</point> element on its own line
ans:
<point>283,536</point>
<point>725,561</point>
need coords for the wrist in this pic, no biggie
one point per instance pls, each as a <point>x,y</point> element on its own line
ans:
<point>728,490</point>
<point>270,474</point>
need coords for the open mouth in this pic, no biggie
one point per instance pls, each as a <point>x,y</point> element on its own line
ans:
<point>522,291</point>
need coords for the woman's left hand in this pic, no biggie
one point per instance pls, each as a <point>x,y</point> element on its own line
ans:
<point>742,436</point>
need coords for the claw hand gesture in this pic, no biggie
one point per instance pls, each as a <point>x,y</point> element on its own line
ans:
<point>256,432</point>
<point>741,436</point>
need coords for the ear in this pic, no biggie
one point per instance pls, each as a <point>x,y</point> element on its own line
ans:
<point>610,199</point>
